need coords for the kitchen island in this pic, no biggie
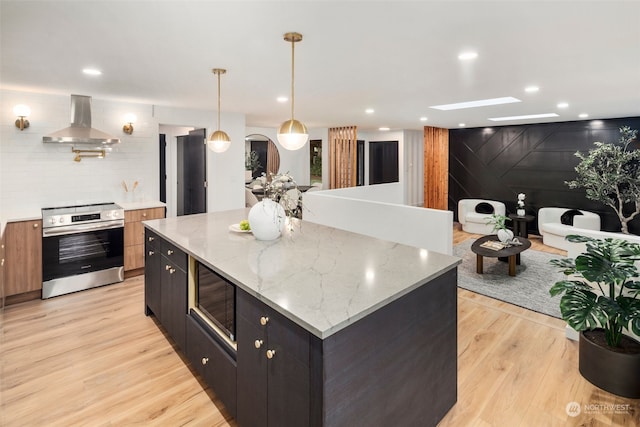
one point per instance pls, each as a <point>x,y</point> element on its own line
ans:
<point>332,327</point>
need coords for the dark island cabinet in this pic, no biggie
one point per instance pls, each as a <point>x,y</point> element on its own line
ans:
<point>211,361</point>
<point>166,285</point>
<point>273,377</point>
<point>152,274</point>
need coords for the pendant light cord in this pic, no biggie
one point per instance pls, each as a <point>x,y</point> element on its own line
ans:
<point>293,49</point>
<point>218,101</point>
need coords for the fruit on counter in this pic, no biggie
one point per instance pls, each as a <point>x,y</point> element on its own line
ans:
<point>244,225</point>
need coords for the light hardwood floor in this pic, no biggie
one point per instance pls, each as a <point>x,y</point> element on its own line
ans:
<point>94,359</point>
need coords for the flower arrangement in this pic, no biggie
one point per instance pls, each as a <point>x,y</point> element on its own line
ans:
<point>278,189</point>
<point>521,211</point>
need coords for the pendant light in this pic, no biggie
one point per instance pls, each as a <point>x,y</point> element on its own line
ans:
<point>292,134</point>
<point>219,141</point>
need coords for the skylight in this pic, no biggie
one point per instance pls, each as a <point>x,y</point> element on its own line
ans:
<point>528,116</point>
<point>478,103</point>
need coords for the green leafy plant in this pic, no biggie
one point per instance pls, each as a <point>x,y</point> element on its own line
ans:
<point>610,174</point>
<point>498,221</point>
<point>602,288</point>
<point>251,162</point>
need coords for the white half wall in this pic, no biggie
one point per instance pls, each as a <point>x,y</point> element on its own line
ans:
<point>363,210</point>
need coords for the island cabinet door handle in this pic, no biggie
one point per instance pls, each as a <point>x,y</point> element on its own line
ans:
<point>271,354</point>
<point>172,270</point>
<point>151,239</point>
<point>169,252</point>
<point>264,320</point>
<point>167,267</point>
<point>205,360</point>
<point>258,343</point>
<point>151,253</point>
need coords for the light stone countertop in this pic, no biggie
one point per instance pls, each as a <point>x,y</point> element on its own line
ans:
<point>145,204</point>
<point>320,277</point>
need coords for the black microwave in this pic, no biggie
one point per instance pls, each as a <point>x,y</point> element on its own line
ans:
<point>216,299</point>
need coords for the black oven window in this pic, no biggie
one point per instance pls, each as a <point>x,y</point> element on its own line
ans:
<point>216,299</point>
<point>87,246</point>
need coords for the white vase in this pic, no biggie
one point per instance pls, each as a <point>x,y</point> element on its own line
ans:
<point>505,235</point>
<point>248,176</point>
<point>266,219</point>
<point>520,212</point>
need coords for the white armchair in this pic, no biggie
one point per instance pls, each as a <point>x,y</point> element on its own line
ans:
<point>476,222</point>
<point>554,224</point>
<point>250,199</point>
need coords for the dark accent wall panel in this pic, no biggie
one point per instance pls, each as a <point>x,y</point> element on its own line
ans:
<point>497,163</point>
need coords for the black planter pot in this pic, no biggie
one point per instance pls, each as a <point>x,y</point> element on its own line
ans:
<point>615,372</point>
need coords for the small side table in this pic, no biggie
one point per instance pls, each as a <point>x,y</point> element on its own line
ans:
<point>520,224</point>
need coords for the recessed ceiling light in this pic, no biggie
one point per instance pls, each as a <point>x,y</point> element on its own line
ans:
<point>369,111</point>
<point>383,128</point>
<point>92,71</point>
<point>531,89</point>
<point>423,119</point>
<point>563,105</point>
<point>465,56</point>
<point>282,99</point>
<point>528,116</point>
<point>462,124</point>
<point>478,103</point>
<point>583,115</point>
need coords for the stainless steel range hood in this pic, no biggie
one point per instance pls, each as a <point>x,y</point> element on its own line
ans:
<point>80,132</point>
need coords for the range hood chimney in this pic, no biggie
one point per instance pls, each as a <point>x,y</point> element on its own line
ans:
<point>80,132</point>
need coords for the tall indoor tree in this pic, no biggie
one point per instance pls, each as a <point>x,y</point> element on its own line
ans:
<point>610,174</point>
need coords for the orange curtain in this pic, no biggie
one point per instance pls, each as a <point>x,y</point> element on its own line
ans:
<point>343,157</point>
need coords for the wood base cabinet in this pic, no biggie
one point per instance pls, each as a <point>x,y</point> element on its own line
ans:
<point>134,243</point>
<point>23,258</point>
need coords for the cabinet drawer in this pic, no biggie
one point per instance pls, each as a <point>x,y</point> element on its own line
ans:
<point>174,255</point>
<point>152,239</point>
<point>143,214</point>
<point>212,363</point>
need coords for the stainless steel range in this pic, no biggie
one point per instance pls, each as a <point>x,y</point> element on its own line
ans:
<point>82,247</point>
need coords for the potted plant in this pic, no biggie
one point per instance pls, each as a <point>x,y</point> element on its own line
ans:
<point>610,174</point>
<point>499,223</point>
<point>600,300</point>
<point>251,164</point>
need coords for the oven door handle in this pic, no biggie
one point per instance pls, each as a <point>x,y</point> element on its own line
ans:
<point>74,229</point>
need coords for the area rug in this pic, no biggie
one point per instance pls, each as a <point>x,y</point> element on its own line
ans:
<point>528,289</point>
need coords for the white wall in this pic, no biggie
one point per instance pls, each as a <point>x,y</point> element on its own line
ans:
<point>297,162</point>
<point>370,210</point>
<point>225,171</point>
<point>35,175</point>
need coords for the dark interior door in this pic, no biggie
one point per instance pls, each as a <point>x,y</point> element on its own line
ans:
<point>383,162</point>
<point>192,173</point>
<point>163,167</point>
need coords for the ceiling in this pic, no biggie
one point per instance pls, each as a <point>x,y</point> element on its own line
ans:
<point>398,58</point>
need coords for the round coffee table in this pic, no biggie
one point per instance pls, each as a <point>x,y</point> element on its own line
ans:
<point>512,253</point>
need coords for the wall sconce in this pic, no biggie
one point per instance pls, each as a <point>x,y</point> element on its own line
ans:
<point>80,154</point>
<point>22,111</point>
<point>128,127</point>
